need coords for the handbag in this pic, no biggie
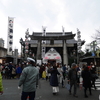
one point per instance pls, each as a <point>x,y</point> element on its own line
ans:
<point>68,86</point>
<point>44,74</point>
<point>55,89</point>
<point>95,76</point>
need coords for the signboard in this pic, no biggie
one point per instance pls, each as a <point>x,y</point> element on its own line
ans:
<point>10,36</point>
<point>39,62</point>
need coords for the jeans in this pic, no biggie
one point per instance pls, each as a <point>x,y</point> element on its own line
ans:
<point>85,90</point>
<point>26,94</point>
<point>73,83</point>
<point>93,82</point>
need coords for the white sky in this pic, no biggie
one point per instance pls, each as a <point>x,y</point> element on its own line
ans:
<point>53,14</point>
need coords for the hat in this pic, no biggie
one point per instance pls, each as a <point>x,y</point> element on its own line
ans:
<point>73,64</point>
<point>93,66</point>
<point>30,59</point>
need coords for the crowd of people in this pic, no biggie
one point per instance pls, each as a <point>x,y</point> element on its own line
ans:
<point>11,71</point>
<point>29,73</point>
<point>77,76</point>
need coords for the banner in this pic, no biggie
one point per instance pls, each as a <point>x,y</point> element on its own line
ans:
<point>10,35</point>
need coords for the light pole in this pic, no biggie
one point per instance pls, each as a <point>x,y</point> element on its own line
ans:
<point>93,45</point>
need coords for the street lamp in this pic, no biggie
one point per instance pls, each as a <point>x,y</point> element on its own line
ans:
<point>93,45</point>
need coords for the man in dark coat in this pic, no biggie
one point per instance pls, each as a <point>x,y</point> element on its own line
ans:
<point>86,75</point>
<point>72,78</point>
<point>93,78</point>
<point>10,66</point>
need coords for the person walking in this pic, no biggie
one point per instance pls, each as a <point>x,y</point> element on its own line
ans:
<point>72,79</point>
<point>64,71</point>
<point>10,66</point>
<point>29,80</point>
<point>93,78</point>
<point>1,86</point>
<point>18,71</point>
<point>54,80</point>
<point>60,77</point>
<point>47,74</point>
<point>13,72</point>
<point>78,74</point>
<point>86,75</point>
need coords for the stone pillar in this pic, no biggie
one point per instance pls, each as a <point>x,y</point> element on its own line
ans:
<point>65,56</point>
<point>38,57</point>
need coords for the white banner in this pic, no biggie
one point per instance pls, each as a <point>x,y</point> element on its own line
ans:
<point>10,35</point>
<point>10,24</point>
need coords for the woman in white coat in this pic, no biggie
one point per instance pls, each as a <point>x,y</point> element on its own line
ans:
<point>60,77</point>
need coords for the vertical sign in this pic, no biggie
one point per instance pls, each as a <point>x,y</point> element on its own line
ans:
<point>78,41</point>
<point>27,42</point>
<point>43,42</point>
<point>10,36</point>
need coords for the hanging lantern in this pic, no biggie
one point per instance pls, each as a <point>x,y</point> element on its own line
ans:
<point>26,43</point>
<point>26,47</point>
<point>26,51</point>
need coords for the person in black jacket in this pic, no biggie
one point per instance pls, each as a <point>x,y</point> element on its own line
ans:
<point>72,78</point>
<point>93,78</point>
<point>86,75</point>
<point>54,79</point>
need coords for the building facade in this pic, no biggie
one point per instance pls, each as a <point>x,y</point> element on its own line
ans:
<point>65,44</point>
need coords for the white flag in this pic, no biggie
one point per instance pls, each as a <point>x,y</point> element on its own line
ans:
<point>10,35</point>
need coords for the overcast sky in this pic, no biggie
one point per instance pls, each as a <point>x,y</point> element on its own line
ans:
<point>53,14</point>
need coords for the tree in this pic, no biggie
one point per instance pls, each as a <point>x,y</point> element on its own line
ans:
<point>96,35</point>
<point>87,53</point>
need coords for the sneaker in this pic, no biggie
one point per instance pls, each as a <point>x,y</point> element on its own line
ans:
<point>86,96</point>
<point>54,93</point>
<point>75,96</point>
<point>63,86</point>
<point>95,88</point>
<point>90,93</point>
<point>70,93</point>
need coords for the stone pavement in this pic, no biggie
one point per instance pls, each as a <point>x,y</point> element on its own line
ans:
<point>44,92</point>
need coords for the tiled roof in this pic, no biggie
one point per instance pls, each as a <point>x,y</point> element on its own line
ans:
<point>50,33</point>
<point>71,41</point>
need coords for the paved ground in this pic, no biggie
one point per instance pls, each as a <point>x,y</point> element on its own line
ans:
<point>44,93</point>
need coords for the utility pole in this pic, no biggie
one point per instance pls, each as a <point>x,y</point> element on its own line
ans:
<point>93,45</point>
